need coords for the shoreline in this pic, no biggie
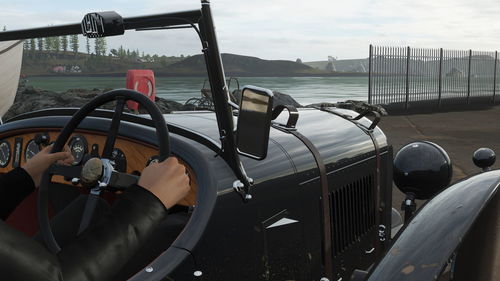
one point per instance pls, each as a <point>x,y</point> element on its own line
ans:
<point>197,75</point>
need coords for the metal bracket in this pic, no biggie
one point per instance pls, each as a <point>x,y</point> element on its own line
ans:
<point>374,122</point>
<point>292,118</point>
<point>239,187</point>
<point>381,232</point>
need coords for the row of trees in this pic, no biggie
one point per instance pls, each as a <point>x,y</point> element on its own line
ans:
<point>71,43</point>
<point>65,44</point>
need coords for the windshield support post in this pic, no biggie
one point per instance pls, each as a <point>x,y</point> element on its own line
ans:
<point>220,96</point>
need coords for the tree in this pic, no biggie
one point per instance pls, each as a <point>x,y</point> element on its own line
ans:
<point>121,52</point>
<point>32,46</point>
<point>100,46</point>
<point>73,41</point>
<point>298,60</point>
<point>40,44</point>
<point>64,43</point>
<point>113,52</point>
<point>97,46</point>
<point>56,45</point>
<point>88,46</point>
<point>134,55</point>
<point>4,28</point>
<point>104,45</point>
<point>48,43</point>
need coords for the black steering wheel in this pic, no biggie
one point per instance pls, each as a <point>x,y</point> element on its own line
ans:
<point>107,176</point>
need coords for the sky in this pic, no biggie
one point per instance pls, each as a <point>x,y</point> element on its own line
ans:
<point>282,29</point>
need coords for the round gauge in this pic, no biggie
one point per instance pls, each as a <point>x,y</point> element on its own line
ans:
<point>32,148</point>
<point>120,160</point>
<point>153,159</point>
<point>4,154</point>
<point>78,147</point>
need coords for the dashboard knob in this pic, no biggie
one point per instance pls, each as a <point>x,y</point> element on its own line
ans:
<point>42,139</point>
<point>484,158</point>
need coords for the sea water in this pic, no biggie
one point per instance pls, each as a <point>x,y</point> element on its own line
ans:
<point>305,90</point>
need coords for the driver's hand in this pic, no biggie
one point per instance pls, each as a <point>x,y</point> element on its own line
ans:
<point>167,180</point>
<point>37,165</point>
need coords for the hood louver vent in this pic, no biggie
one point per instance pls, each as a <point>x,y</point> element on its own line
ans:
<point>352,212</point>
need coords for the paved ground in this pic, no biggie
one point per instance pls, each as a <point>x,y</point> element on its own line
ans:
<point>459,133</point>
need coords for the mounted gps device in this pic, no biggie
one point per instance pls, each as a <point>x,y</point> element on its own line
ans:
<point>102,24</point>
<point>254,121</point>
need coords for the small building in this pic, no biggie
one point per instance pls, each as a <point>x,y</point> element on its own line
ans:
<point>59,69</point>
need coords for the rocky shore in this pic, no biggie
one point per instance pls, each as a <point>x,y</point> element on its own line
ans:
<point>31,99</point>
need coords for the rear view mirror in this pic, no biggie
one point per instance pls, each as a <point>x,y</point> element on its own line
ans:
<point>254,122</point>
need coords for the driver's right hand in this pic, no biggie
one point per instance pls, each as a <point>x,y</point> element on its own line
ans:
<point>166,180</point>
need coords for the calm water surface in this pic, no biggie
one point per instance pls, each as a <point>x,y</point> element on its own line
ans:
<point>305,90</point>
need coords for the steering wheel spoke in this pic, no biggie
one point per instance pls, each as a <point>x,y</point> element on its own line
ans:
<point>66,171</point>
<point>113,129</point>
<point>120,181</point>
<point>88,212</point>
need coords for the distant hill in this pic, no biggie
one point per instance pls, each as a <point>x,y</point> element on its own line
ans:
<point>47,63</point>
<point>236,65</point>
<point>351,65</point>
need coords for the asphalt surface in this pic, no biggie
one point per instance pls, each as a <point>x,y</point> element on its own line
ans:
<point>459,133</point>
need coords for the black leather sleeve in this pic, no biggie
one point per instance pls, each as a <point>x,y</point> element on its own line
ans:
<point>97,254</point>
<point>14,187</point>
<point>104,249</point>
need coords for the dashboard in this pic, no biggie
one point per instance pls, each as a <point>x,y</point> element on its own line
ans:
<point>130,156</point>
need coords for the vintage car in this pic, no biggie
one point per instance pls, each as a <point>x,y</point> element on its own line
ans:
<point>286,194</point>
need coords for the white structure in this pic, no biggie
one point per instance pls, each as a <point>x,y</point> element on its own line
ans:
<point>11,56</point>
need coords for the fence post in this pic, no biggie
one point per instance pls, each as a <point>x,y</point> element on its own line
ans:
<point>468,78</point>
<point>440,88</point>
<point>407,77</point>
<point>370,75</point>
<point>495,77</point>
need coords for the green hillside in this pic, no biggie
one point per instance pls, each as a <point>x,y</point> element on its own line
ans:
<point>49,63</point>
<point>236,65</point>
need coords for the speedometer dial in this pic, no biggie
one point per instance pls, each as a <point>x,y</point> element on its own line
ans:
<point>4,154</point>
<point>78,147</point>
<point>32,148</point>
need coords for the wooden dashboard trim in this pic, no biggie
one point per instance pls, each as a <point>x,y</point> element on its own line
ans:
<point>137,153</point>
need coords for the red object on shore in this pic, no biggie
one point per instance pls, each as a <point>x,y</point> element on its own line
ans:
<point>142,81</point>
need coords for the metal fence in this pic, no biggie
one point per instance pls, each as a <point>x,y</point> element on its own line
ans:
<point>407,77</point>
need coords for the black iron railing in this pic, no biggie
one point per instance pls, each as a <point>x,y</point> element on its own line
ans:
<point>407,77</point>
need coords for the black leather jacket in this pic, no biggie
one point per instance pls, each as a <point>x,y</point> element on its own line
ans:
<point>98,254</point>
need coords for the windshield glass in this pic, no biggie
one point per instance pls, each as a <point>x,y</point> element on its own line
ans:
<point>65,71</point>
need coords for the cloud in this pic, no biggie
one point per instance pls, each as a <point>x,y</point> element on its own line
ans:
<point>283,29</point>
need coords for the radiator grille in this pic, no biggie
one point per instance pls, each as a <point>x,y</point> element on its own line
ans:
<point>352,210</point>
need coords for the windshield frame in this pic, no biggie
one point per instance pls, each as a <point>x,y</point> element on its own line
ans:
<point>213,61</point>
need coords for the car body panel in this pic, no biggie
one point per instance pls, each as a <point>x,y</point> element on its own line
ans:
<point>425,245</point>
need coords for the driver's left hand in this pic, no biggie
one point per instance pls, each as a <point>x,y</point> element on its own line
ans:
<point>37,165</point>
